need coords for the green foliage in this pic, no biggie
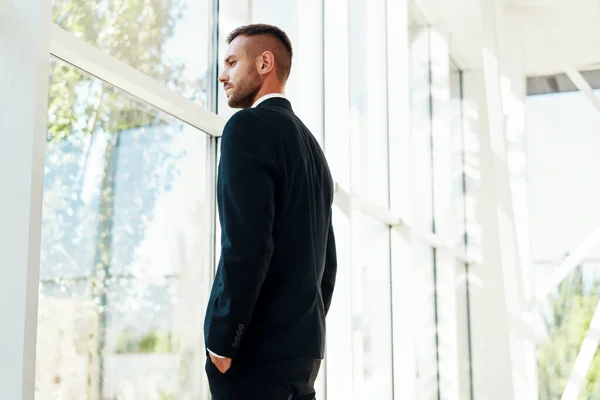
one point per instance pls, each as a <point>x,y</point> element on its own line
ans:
<point>135,32</point>
<point>166,396</point>
<point>567,321</point>
<point>151,342</point>
<point>81,239</point>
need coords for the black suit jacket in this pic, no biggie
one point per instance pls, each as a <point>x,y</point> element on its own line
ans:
<point>276,274</point>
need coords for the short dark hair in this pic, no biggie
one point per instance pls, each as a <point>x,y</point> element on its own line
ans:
<point>284,64</point>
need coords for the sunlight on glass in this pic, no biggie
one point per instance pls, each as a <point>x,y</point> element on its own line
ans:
<point>167,39</point>
<point>124,205</point>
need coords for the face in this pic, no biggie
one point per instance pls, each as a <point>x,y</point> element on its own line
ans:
<point>240,77</point>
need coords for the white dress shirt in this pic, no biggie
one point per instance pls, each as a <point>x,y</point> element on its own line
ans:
<point>256,103</point>
<point>266,97</point>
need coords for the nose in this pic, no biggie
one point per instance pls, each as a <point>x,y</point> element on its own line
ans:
<point>223,77</point>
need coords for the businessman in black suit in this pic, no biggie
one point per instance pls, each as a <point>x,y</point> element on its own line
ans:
<point>265,321</point>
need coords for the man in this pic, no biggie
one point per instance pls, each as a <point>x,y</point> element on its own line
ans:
<point>265,321</point>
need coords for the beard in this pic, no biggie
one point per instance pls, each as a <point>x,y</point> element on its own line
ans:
<point>245,90</point>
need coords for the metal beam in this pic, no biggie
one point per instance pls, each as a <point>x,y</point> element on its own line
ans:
<point>584,359</point>
<point>437,242</point>
<point>572,261</point>
<point>345,201</point>
<point>576,77</point>
<point>560,83</point>
<point>583,86</point>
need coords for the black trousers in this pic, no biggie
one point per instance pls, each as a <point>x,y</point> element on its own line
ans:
<point>289,379</point>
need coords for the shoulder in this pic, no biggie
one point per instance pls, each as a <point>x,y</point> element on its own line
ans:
<point>245,121</point>
<point>247,131</point>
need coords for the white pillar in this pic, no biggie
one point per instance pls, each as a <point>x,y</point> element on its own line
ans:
<point>499,350</point>
<point>24,55</point>
<point>514,94</point>
<point>490,321</point>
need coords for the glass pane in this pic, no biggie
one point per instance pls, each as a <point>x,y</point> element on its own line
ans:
<point>368,101</point>
<point>562,160</point>
<point>456,231</point>
<point>422,210</point>
<point>165,39</point>
<point>420,128</point>
<point>124,248</point>
<point>371,307</point>
<point>565,318</point>
<point>448,200</point>
<point>425,321</point>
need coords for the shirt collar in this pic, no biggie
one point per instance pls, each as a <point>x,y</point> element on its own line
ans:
<point>266,97</point>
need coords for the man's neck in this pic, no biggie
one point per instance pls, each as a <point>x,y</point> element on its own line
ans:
<point>269,89</point>
<point>266,97</point>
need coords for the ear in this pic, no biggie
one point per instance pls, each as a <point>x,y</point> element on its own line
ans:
<point>265,63</point>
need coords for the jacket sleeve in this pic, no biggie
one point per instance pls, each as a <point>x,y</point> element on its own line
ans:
<point>329,275</point>
<point>245,199</point>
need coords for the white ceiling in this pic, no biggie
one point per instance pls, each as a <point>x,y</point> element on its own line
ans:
<point>554,32</point>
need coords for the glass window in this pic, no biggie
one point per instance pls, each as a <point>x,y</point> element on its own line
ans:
<point>422,210</point>
<point>368,101</point>
<point>456,195</point>
<point>165,39</point>
<point>562,159</point>
<point>448,195</point>
<point>457,230</point>
<point>124,268</point>
<point>371,290</point>
<point>426,340</point>
<point>565,316</point>
<point>371,308</point>
<point>438,206</point>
